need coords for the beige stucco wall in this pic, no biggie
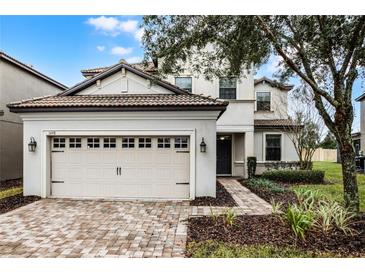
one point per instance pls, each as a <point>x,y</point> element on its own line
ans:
<point>125,83</point>
<point>279,103</point>
<point>16,84</point>
<point>288,152</point>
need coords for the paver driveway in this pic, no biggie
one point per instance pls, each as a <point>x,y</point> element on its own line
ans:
<point>70,228</point>
<point>86,228</point>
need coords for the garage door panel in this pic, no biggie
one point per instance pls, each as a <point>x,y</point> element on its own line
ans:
<point>144,172</point>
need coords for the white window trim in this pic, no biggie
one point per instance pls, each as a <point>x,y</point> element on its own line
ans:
<point>264,145</point>
<point>45,145</point>
<point>271,109</point>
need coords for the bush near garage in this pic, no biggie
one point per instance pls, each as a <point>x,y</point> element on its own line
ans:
<point>295,176</point>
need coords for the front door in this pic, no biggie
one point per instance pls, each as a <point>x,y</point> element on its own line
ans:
<point>224,155</point>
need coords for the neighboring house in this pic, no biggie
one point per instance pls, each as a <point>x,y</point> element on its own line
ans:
<point>356,140</point>
<point>360,136</point>
<point>124,133</point>
<point>17,82</point>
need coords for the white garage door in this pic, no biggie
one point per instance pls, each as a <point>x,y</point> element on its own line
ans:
<point>120,167</point>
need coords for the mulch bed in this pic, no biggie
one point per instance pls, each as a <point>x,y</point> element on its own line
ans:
<point>16,201</point>
<point>223,199</point>
<point>10,184</point>
<point>270,229</point>
<point>286,198</point>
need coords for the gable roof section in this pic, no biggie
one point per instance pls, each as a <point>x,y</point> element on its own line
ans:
<point>113,69</point>
<point>273,83</point>
<point>360,98</point>
<point>120,102</point>
<point>150,68</point>
<point>11,60</point>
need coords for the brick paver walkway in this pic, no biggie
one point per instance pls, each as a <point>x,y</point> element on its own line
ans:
<point>248,202</point>
<point>75,228</point>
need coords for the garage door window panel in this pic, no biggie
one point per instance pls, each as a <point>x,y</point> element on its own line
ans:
<point>144,142</point>
<point>163,142</point>
<point>127,142</point>
<point>181,142</point>
<point>75,143</point>
<point>110,143</point>
<point>59,142</point>
<point>93,142</point>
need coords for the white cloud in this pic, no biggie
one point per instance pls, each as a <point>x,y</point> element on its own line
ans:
<point>121,51</point>
<point>134,59</point>
<point>138,34</point>
<point>129,26</point>
<point>108,25</point>
<point>114,26</point>
<point>100,48</point>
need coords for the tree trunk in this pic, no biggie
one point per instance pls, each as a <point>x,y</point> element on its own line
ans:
<point>351,193</point>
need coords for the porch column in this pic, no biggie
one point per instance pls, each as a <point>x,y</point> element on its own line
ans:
<point>249,148</point>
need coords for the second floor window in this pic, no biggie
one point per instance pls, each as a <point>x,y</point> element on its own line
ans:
<point>263,101</point>
<point>184,83</point>
<point>227,88</point>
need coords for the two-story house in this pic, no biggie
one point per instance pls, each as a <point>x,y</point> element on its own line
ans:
<point>359,137</point>
<point>18,81</point>
<point>125,133</point>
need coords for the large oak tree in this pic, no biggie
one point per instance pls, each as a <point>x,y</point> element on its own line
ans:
<point>326,52</point>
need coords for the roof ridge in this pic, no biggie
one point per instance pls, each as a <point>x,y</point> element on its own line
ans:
<point>106,73</point>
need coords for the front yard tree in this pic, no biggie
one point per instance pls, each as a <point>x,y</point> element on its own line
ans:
<point>329,142</point>
<point>326,52</point>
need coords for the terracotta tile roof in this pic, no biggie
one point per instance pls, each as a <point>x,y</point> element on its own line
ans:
<point>273,83</point>
<point>120,102</point>
<point>149,68</point>
<point>113,69</point>
<point>29,69</point>
<point>274,123</point>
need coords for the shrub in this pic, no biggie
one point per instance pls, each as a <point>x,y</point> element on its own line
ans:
<point>299,220</point>
<point>307,198</point>
<point>276,207</point>
<point>331,215</point>
<point>295,176</point>
<point>265,184</point>
<point>229,217</point>
<point>251,167</point>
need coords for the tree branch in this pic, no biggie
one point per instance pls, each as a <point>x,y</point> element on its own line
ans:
<point>293,66</point>
<point>353,44</point>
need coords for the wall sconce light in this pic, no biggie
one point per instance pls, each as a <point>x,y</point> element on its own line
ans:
<point>32,145</point>
<point>203,146</point>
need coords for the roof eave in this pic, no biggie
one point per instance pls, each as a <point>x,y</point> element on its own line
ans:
<point>16,109</point>
<point>360,98</point>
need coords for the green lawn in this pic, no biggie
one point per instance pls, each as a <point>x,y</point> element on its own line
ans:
<point>211,249</point>
<point>10,192</point>
<point>333,174</point>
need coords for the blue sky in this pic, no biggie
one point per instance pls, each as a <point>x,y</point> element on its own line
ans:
<point>60,46</point>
